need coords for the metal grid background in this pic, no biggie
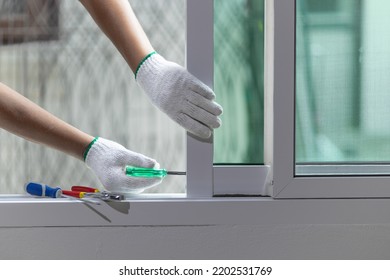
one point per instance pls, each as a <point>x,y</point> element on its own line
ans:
<point>81,78</point>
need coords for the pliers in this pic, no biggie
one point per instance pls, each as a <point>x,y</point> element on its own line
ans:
<point>88,192</point>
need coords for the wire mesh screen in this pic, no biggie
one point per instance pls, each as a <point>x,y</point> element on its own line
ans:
<point>342,70</point>
<point>75,72</point>
<point>238,83</point>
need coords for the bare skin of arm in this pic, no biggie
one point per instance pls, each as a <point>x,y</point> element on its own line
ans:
<point>118,21</point>
<point>24,118</point>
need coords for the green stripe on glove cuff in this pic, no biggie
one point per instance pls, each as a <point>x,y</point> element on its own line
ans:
<point>142,62</point>
<point>89,147</point>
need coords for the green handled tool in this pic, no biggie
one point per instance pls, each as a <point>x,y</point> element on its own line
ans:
<point>149,172</point>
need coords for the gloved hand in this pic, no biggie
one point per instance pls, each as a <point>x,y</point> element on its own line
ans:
<point>108,160</point>
<point>180,95</point>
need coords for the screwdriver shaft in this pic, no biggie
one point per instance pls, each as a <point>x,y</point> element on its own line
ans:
<point>176,172</point>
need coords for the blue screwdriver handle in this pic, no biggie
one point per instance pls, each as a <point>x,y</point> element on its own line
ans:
<point>38,189</point>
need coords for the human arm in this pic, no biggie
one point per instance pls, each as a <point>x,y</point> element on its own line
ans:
<point>169,86</point>
<point>26,119</point>
<point>117,20</point>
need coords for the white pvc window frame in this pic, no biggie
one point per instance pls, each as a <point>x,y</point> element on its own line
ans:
<point>204,179</point>
<point>285,182</point>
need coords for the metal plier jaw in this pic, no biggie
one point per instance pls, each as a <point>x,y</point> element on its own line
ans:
<point>106,196</point>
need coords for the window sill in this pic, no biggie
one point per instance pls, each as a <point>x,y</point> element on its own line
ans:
<point>23,211</point>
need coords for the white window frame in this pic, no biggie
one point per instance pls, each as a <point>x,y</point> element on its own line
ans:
<point>286,183</point>
<point>204,179</point>
<point>203,205</point>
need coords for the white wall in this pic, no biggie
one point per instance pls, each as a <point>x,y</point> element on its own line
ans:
<point>198,242</point>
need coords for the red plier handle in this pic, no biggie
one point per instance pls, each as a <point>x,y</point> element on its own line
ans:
<point>79,191</point>
<point>84,189</point>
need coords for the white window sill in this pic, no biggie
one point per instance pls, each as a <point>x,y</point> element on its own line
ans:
<point>23,211</point>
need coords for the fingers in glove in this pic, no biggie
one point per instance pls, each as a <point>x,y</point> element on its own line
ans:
<point>133,185</point>
<point>194,126</point>
<point>140,160</point>
<point>206,104</point>
<point>200,88</point>
<point>202,116</point>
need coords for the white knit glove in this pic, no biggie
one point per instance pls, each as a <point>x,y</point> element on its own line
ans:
<point>180,95</point>
<point>108,160</point>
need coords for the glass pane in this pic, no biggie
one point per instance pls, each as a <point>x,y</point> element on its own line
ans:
<point>80,77</point>
<point>342,84</point>
<point>238,80</point>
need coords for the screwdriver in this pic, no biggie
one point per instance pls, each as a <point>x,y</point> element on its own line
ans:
<point>38,189</point>
<point>150,172</point>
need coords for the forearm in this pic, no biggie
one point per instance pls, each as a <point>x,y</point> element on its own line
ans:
<point>24,118</point>
<point>118,21</point>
